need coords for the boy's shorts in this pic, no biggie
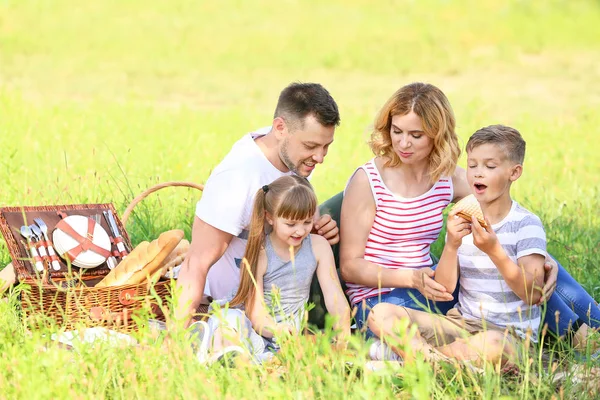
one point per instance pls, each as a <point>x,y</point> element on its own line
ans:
<point>439,330</point>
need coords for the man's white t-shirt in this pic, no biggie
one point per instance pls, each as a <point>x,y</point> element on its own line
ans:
<point>226,204</point>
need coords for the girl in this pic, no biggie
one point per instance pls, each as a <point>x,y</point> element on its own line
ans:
<point>279,263</point>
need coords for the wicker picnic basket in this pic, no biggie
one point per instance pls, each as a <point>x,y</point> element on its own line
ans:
<point>67,297</point>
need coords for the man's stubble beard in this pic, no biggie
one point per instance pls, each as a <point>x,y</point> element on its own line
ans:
<point>285,158</point>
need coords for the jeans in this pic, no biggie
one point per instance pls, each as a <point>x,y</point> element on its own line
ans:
<point>574,305</point>
<point>570,300</point>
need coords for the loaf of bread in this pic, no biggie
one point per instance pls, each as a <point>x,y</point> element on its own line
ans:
<point>143,261</point>
<point>468,207</point>
<point>174,259</point>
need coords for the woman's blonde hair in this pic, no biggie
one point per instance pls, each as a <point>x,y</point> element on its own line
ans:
<point>431,105</point>
<point>290,197</point>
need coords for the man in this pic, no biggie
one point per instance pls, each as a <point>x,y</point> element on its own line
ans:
<point>298,139</point>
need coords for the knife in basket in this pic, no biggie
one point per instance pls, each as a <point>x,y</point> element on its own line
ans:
<point>115,231</point>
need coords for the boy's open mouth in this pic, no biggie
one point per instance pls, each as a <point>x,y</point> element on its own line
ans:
<point>480,187</point>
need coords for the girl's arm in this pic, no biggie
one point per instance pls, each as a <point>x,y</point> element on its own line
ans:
<point>335,301</point>
<point>262,322</point>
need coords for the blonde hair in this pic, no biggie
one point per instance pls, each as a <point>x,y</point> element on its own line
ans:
<point>509,139</point>
<point>431,105</point>
<point>290,197</point>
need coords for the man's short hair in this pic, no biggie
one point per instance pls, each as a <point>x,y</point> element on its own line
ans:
<point>299,100</point>
<point>507,138</point>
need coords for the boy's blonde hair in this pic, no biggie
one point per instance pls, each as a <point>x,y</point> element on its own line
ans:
<point>508,139</point>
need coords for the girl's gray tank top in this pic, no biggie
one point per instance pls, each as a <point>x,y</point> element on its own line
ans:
<point>286,285</point>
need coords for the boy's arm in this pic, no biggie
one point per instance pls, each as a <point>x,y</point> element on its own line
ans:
<point>262,322</point>
<point>525,279</point>
<point>335,301</point>
<point>447,270</point>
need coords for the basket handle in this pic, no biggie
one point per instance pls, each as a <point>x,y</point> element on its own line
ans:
<point>153,189</point>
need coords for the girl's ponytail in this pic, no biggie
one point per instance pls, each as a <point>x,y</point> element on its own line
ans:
<point>256,239</point>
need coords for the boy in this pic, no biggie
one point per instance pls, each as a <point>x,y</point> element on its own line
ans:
<point>501,268</point>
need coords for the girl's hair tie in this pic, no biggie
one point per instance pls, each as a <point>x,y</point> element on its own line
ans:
<point>265,188</point>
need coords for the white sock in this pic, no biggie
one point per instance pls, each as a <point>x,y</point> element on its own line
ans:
<point>381,352</point>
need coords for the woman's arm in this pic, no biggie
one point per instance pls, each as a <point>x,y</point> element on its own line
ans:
<point>335,301</point>
<point>460,184</point>
<point>358,215</point>
<point>262,322</point>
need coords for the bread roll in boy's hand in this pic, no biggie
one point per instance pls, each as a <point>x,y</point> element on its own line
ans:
<point>469,208</point>
<point>143,261</point>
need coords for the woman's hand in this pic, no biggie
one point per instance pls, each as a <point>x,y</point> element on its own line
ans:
<point>424,283</point>
<point>550,278</point>
<point>457,228</point>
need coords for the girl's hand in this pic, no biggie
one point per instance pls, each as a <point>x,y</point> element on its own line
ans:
<point>424,283</point>
<point>484,240</point>
<point>457,228</point>
<point>283,330</point>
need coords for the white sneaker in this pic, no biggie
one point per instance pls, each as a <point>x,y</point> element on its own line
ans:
<point>201,333</point>
<point>227,355</point>
<point>381,352</point>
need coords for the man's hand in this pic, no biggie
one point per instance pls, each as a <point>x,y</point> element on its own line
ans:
<point>484,240</point>
<point>457,228</point>
<point>424,283</point>
<point>550,278</point>
<point>327,227</point>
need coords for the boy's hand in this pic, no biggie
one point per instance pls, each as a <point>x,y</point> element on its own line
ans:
<point>457,228</point>
<point>484,240</point>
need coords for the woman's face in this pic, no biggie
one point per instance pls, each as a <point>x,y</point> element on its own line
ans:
<point>409,140</point>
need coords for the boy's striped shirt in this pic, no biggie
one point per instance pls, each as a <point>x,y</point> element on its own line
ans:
<point>483,292</point>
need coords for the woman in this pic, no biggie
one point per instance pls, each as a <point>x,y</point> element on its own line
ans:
<point>392,213</point>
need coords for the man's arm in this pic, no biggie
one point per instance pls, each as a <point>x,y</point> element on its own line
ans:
<point>208,245</point>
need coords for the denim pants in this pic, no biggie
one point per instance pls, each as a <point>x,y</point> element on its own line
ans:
<point>568,307</point>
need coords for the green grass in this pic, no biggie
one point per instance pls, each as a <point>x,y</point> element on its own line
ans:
<point>100,100</point>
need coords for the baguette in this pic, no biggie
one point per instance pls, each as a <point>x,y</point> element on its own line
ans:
<point>174,259</point>
<point>143,261</point>
<point>468,207</point>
